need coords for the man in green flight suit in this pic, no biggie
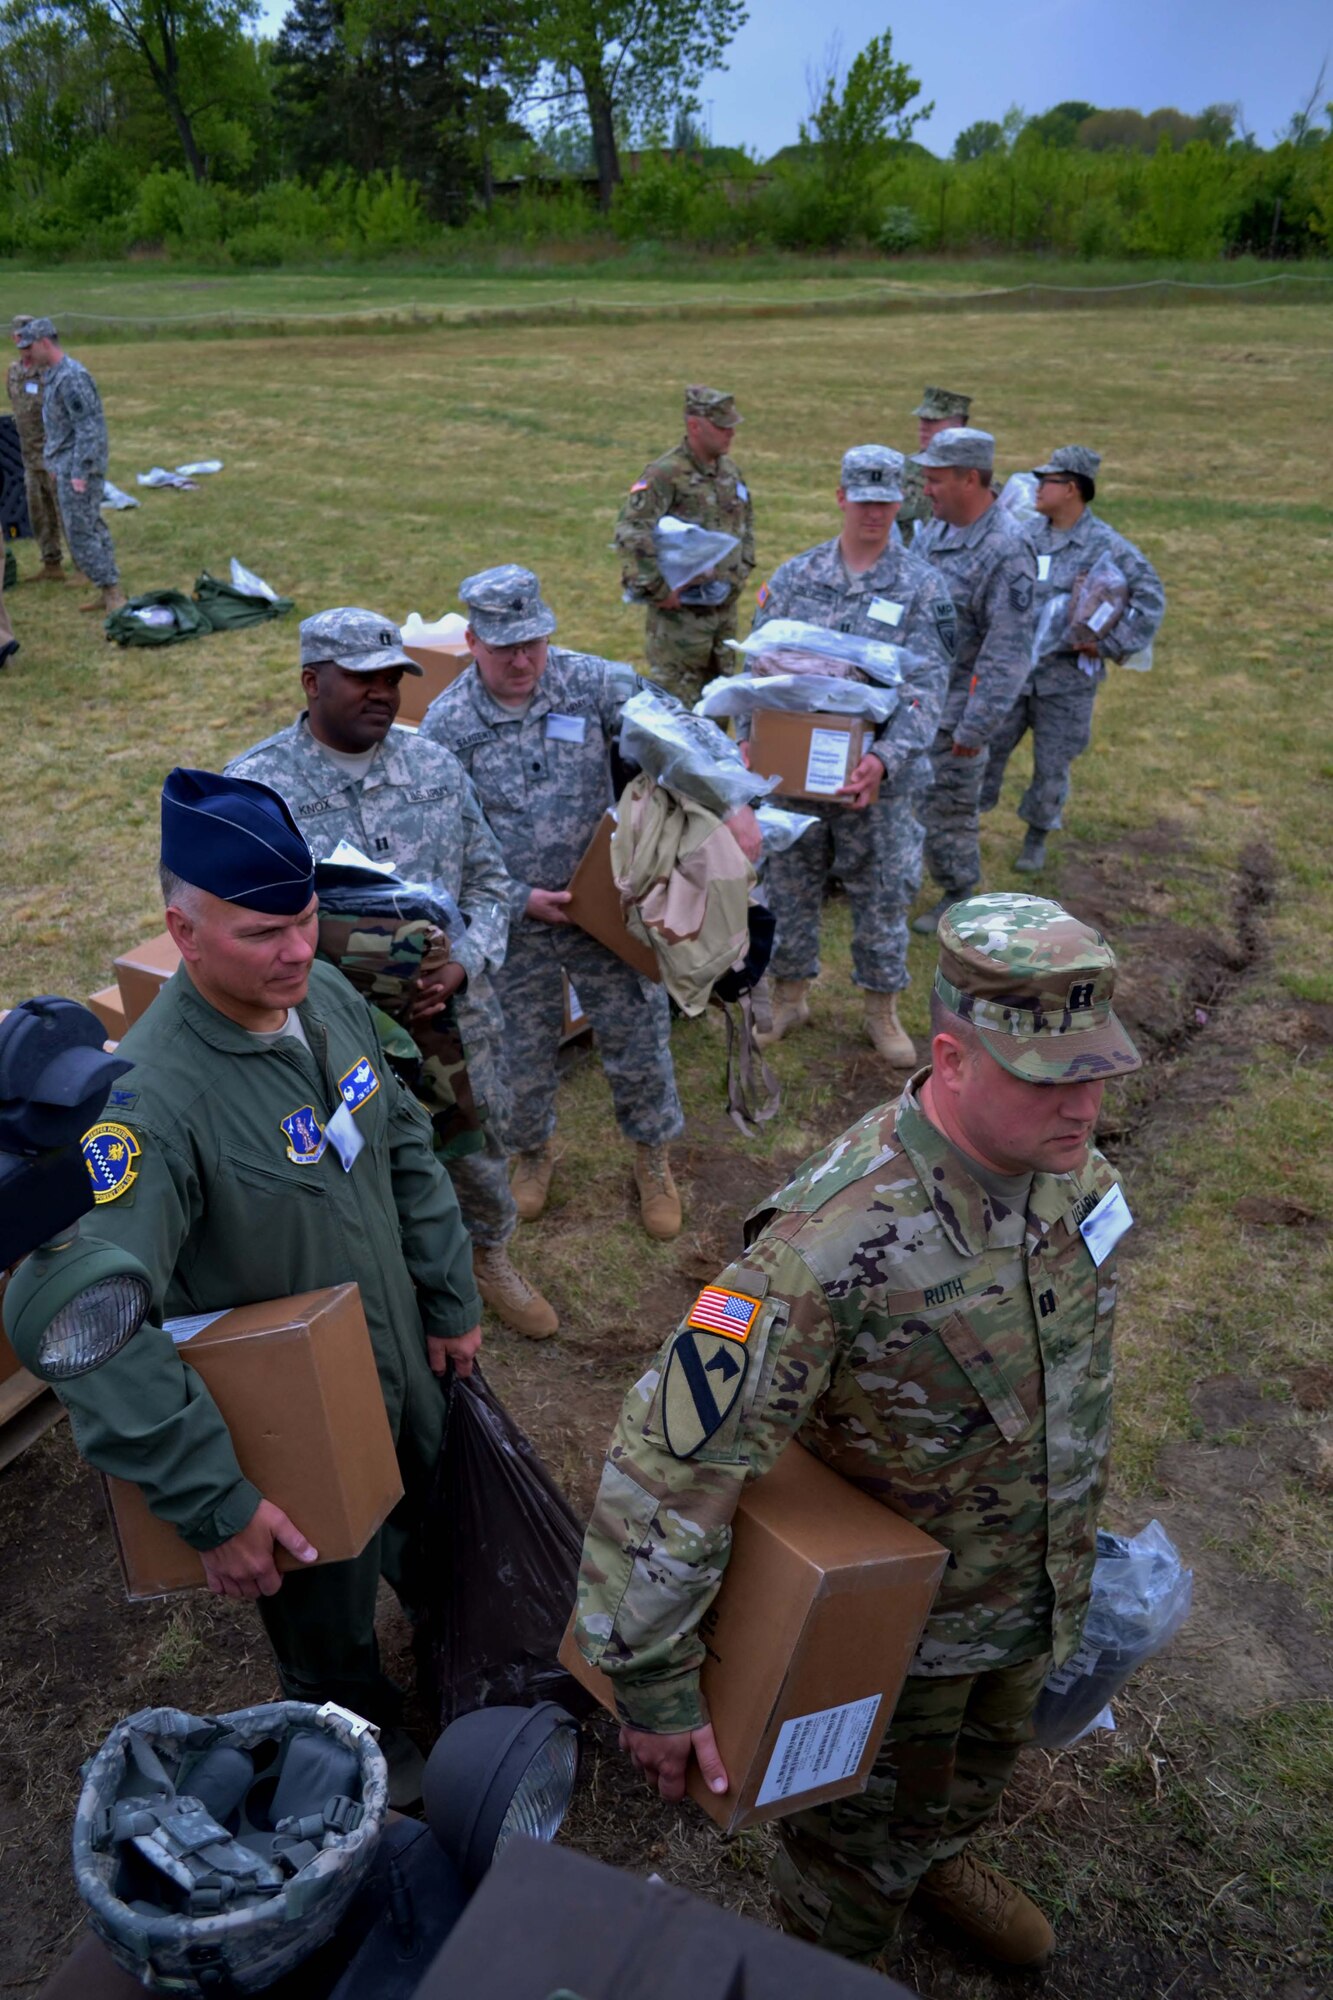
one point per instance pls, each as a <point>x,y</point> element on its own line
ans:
<point>260,1147</point>
<point>928,1307</point>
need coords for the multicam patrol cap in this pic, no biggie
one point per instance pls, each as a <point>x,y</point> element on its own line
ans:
<point>34,329</point>
<point>505,606</point>
<point>937,403</point>
<point>360,642</point>
<point>960,447</point>
<point>1070,459</point>
<point>718,405</point>
<point>872,472</point>
<point>19,321</point>
<point>1036,984</point>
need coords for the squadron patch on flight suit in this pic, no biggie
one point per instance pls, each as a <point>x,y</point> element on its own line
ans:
<point>703,1378</point>
<point>359,1085</point>
<point>306,1140</point>
<point>109,1153</point>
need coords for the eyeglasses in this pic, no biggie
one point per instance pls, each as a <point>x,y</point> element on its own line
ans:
<point>1054,479</point>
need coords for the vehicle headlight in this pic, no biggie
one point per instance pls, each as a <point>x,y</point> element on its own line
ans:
<point>497,1773</point>
<point>95,1324</point>
<point>70,1308</point>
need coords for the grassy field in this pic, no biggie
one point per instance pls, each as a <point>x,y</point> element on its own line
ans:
<point>1190,1853</point>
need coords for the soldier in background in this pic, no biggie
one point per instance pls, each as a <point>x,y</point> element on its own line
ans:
<point>938,410</point>
<point>25,398</point>
<point>1056,704</point>
<point>76,454</point>
<point>685,630</point>
<point>927,1306</point>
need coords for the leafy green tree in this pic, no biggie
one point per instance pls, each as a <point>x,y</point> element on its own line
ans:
<point>857,118</point>
<point>975,141</point>
<point>1060,125</point>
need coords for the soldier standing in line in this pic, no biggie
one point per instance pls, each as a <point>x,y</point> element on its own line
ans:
<point>938,410</point>
<point>25,397</point>
<point>988,565</point>
<point>696,481</point>
<point>927,1307</point>
<point>871,839</point>
<point>348,774</point>
<point>1057,703</point>
<point>76,455</point>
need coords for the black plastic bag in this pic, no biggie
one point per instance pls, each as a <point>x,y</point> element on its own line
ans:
<point>504,1549</point>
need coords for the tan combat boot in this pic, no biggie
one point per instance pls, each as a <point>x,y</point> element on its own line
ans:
<point>509,1296</point>
<point>530,1182</point>
<point>791,1009</point>
<point>979,1903</point>
<point>659,1198</point>
<point>887,1032</point>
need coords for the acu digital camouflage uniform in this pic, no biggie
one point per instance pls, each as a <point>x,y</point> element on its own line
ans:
<point>948,1350</point>
<point>686,648</point>
<point>1056,705</point>
<point>916,510</point>
<point>25,398</point>
<point>876,854</point>
<point>416,807</point>
<point>76,448</point>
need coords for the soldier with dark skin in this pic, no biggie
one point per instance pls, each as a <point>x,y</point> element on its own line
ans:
<point>25,397</point>
<point>927,1307</point>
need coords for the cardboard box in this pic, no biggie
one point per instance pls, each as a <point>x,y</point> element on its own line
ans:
<point>812,754</point>
<point>110,1011</point>
<point>595,904</point>
<point>440,665</point>
<point>296,1384</point>
<point>809,1640</point>
<point>143,972</point>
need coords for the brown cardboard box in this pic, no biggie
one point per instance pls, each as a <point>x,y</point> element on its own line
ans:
<point>110,1011</point>
<point>296,1384</point>
<point>809,1640</point>
<point>595,904</point>
<point>803,751</point>
<point>142,974</point>
<point>440,665</point>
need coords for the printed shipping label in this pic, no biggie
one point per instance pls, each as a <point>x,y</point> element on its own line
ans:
<point>1102,616</point>
<point>818,1749</point>
<point>826,766</point>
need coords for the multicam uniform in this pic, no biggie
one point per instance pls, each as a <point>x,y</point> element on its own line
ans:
<point>1056,704</point>
<point>686,648</point>
<point>25,397</point>
<point>876,854</point>
<point>415,807</point>
<point>915,510</point>
<point>76,448</point>
<point>544,780</point>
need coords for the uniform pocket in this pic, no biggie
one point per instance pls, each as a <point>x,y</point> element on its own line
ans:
<point>271,1179</point>
<point>945,1396</point>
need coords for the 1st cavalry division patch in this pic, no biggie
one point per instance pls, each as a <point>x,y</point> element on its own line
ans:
<point>704,1376</point>
<point>109,1153</point>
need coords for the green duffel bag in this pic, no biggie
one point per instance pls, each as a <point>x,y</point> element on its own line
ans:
<point>228,609</point>
<point>157,618</point>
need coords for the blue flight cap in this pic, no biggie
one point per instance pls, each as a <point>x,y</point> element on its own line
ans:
<point>237,840</point>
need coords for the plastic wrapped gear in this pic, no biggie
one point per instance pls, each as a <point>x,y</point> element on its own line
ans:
<point>1018,497</point>
<point>780,828</point>
<point>254,586</point>
<point>1097,601</point>
<point>791,645</point>
<point>349,888</point>
<point>1052,633</point>
<point>688,754</point>
<point>686,552</point>
<point>739,695</point>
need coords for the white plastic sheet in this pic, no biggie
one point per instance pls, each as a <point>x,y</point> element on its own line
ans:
<point>687,754</point>
<point>449,629</point>
<point>739,695</point>
<point>814,649</point>
<point>685,555</point>
<point>253,586</point>
<point>112,496</point>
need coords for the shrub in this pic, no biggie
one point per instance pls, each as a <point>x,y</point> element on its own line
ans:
<point>899,230</point>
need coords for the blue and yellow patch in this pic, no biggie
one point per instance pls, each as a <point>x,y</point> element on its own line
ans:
<point>305,1135</point>
<point>109,1153</point>
<point>359,1085</point>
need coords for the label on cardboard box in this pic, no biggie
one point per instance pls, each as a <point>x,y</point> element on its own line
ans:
<point>819,1749</point>
<point>826,766</point>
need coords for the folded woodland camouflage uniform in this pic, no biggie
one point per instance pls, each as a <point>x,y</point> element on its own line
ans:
<point>76,448</point>
<point>25,399</point>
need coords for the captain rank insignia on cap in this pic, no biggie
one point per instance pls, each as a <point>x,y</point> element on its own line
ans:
<point>109,1153</point>
<point>359,1085</point>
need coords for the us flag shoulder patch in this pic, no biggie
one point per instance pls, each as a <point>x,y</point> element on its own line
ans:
<point>729,1313</point>
<point>639,486</point>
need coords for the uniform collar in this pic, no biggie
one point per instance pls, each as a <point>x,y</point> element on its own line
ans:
<point>1063,538</point>
<point>882,572</point>
<point>385,767</point>
<point>967,538</point>
<point>708,471</point>
<point>960,1203</point>
<point>218,1029</point>
<point>544,695</point>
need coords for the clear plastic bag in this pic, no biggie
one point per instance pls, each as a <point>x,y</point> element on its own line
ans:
<point>687,753</point>
<point>1098,599</point>
<point>790,645</point>
<point>1140,662</point>
<point>160,617</point>
<point>780,828</point>
<point>739,695</point>
<point>686,552</point>
<point>358,887</point>
<point>1052,633</point>
<point>1018,497</point>
<point>1141,1594</point>
<point>253,586</point>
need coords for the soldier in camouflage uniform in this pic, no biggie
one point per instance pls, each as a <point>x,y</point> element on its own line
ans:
<point>927,1307</point>
<point>76,454</point>
<point>859,582</point>
<point>686,630</point>
<point>938,410</point>
<point>1056,705</point>
<point>25,396</point>
<point>991,572</point>
<point>348,774</point>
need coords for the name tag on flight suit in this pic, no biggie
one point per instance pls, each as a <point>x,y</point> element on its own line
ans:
<point>885,611</point>
<point>344,1135</point>
<point>1043,569</point>
<point>566,728</point>
<point>1104,1227</point>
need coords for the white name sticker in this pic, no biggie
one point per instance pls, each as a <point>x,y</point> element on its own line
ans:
<point>1043,569</point>
<point>345,1136</point>
<point>32,388</point>
<point>566,728</point>
<point>1103,1229</point>
<point>818,1749</point>
<point>826,765</point>
<point>742,490</point>
<point>885,611</point>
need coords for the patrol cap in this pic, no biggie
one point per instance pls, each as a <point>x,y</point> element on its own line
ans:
<point>1070,459</point>
<point>34,329</point>
<point>937,403</point>
<point>237,840</point>
<point>505,606</point>
<point>1036,984</point>
<point>872,472</point>
<point>718,405</point>
<point>19,321</point>
<point>360,642</point>
<point>960,447</point>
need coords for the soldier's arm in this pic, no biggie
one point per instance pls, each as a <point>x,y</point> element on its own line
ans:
<point>85,407</point>
<point>1004,661</point>
<point>436,1247</point>
<point>659,1538</point>
<point>1139,620</point>
<point>647,500</point>
<point>928,635</point>
<point>485,893</point>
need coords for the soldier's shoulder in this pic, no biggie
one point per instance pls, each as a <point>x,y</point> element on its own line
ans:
<point>416,758</point>
<point>865,1147</point>
<point>819,561</point>
<point>452,708</point>
<point>272,753</point>
<point>663,470</point>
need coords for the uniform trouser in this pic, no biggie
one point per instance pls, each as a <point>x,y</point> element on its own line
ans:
<point>321,1623</point>
<point>481,1179</point>
<point>876,855</point>
<point>1061,725</point>
<point>43,510</point>
<point>89,538</point>
<point>844,1873</point>
<point>686,648</point>
<point>630,1017</point>
<point>953,838</point>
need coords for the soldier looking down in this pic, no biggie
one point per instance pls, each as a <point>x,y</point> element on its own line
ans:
<point>938,410</point>
<point>75,453</point>
<point>25,396</point>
